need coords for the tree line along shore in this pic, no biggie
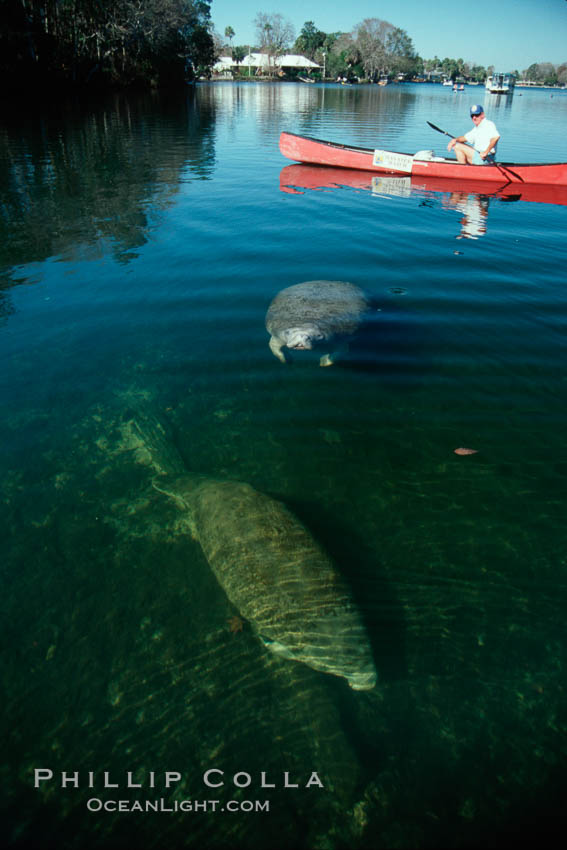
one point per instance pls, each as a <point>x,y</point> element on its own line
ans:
<point>57,45</point>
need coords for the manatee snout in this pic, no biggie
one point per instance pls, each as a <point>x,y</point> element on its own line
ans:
<point>302,339</point>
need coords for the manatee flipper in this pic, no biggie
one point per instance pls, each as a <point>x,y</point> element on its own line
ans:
<point>276,346</point>
<point>333,356</point>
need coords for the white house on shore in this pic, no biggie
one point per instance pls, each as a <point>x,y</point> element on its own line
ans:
<point>262,63</point>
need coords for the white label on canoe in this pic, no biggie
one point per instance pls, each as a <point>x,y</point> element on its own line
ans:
<point>400,186</point>
<point>393,161</point>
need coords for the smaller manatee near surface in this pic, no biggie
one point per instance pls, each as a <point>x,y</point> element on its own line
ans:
<point>315,313</point>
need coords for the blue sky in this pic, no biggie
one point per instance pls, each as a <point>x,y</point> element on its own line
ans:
<point>509,34</point>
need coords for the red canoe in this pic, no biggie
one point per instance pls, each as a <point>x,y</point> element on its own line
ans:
<point>294,178</point>
<point>318,152</point>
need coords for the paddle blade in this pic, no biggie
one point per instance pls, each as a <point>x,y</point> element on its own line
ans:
<point>439,130</point>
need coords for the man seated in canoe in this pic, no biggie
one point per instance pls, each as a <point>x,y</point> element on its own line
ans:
<point>478,146</point>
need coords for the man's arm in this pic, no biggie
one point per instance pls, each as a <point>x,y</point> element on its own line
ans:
<point>491,144</point>
<point>454,141</point>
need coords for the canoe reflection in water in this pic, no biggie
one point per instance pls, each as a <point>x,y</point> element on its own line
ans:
<point>472,206</point>
<point>471,198</point>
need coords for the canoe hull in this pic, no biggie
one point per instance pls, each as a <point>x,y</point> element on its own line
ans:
<point>318,152</point>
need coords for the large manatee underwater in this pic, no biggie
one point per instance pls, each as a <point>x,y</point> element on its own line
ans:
<point>270,567</point>
<point>315,313</point>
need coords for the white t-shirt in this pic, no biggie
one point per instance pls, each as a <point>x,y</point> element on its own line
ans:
<point>480,136</point>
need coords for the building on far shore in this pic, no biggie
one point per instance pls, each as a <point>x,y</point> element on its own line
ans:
<point>261,64</point>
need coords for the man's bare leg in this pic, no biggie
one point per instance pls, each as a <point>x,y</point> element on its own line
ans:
<point>464,153</point>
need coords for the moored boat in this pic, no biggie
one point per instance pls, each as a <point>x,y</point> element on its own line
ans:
<point>319,152</point>
<point>500,83</point>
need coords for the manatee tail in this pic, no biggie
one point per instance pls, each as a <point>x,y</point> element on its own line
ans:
<point>153,443</point>
<point>154,447</point>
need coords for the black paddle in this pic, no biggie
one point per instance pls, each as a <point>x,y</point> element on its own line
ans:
<point>502,168</point>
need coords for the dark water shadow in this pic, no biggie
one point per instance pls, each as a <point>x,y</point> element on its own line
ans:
<point>377,602</point>
<point>390,343</point>
<point>382,614</point>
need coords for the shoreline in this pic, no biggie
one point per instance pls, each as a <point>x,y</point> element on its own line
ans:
<point>366,83</point>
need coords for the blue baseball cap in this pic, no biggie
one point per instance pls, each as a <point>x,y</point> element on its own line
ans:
<point>476,109</point>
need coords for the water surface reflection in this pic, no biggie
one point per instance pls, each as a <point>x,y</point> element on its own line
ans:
<point>469,198</point>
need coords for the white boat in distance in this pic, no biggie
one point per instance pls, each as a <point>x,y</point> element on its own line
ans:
<point>500,83</point>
